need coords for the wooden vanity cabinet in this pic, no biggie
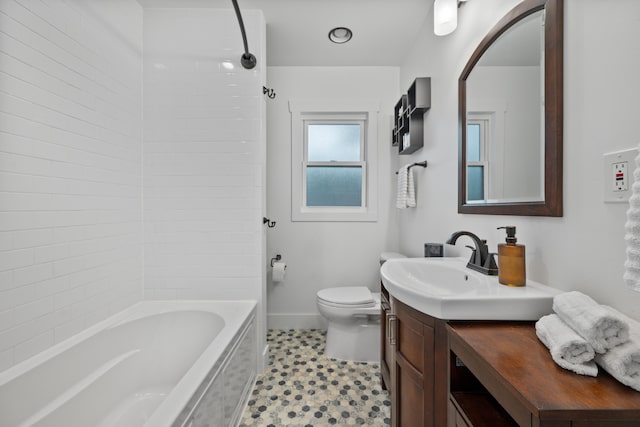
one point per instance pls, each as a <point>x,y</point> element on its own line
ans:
<point>501,375</point>
<point>489,374</point>
<point>387,318</point>
<point>419,368</point>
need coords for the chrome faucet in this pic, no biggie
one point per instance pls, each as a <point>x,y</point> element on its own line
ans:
<point>481,260</point>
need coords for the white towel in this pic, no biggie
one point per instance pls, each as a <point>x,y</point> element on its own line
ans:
<point>623,361</point>
<point>592,321</point>
<point>568,349</point>
<point>632,236</point>
<point>406,189</point>
<point>563,340</point>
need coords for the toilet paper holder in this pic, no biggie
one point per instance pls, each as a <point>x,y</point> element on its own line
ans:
<point>278,257</point>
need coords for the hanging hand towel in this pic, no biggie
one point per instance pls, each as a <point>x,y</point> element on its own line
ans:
<point>623,361</point>
<point>406,197</point>
<point>632,236</point>
<point>592,321</point>
<point>568,349</point>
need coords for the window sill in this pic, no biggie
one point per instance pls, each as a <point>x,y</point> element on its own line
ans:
<point>335,214</point>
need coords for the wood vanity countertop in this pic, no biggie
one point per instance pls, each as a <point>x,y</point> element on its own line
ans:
<point>517,369</point>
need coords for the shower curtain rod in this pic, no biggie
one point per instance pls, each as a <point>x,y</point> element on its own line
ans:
<point>247,59</point>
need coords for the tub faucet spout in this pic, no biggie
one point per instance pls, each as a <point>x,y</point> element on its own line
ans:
<point>481,260</point>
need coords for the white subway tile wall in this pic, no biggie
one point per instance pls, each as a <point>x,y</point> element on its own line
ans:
<point>204,155</point>
<point>70,168</point>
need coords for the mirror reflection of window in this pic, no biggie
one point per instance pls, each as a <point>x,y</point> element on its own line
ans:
<point>475,190</point>
<point>477,165</point>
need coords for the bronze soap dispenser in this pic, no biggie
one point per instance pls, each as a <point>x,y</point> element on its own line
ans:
<point>511,260</point>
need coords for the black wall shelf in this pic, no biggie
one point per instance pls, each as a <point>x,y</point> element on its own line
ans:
<point>408,131</point>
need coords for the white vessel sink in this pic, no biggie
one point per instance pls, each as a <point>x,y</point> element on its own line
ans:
<point>445,288</point>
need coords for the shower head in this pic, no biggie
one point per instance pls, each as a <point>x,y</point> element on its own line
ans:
<point>247,59</point>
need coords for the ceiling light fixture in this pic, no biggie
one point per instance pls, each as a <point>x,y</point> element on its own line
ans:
<point>340,35</point>
<point>445,16</point>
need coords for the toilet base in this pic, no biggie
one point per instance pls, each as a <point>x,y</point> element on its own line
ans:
<point>358,343</point>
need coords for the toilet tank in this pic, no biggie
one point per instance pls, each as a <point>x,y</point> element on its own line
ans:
<point>386,256</point>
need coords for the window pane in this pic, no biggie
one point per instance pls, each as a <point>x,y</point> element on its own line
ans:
<point>334,186</point>
<point>338,142</point>
<point>475,183</point>
<point>473,143</point>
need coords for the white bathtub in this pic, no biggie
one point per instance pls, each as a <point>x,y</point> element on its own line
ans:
<point>157,363</point>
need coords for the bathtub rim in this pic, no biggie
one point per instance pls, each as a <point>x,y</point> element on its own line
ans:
<point>212,357</point>
<point>234,313</point>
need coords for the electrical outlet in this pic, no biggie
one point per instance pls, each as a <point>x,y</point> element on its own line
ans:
<point>618,170</point>
<point>620,176</point>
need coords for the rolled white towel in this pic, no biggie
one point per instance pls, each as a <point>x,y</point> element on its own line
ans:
<point>592,321</point>
<point>562,340</point>
<point>568,349</point>
<point>623,361</point>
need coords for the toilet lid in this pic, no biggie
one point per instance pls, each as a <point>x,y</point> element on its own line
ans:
<point>350,295</point>
<point>386,256</point>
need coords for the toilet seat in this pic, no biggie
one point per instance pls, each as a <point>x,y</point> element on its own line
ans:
<point>348,297</point>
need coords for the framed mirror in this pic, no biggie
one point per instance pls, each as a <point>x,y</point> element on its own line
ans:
<point>510,116</point>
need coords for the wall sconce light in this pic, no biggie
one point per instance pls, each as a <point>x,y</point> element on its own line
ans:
<point>445,16</point>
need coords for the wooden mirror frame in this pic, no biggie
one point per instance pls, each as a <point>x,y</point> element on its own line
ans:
<point>553,113</point>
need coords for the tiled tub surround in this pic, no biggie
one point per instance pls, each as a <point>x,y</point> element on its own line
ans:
<point>76,80</point>
<point>70,168</point>
<point>204,157</point>
<point>303,387</point>
<point>151,365</point>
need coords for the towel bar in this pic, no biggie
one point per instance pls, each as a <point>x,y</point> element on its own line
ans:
<point>421,164</point>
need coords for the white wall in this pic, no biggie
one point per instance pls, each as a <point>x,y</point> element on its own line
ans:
<point>585,249</point>
<point>204,157</point>
<point>70,168</point>
<point>324,254</point>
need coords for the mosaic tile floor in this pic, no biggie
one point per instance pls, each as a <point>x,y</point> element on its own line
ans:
<point>303,387</point>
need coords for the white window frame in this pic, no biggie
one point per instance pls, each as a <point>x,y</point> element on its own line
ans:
<point>484,121</point>
<point>305,112</point>
<point>337,119</point>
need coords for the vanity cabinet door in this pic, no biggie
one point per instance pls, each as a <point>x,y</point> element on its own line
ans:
<point>413,403</point>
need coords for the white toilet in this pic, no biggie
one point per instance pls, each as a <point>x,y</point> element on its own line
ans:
<point>353,316</point>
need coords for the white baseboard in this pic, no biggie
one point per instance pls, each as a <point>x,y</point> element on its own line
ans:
<point>295,321</point>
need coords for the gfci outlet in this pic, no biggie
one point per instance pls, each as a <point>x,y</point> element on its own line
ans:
<point>618,175</point>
